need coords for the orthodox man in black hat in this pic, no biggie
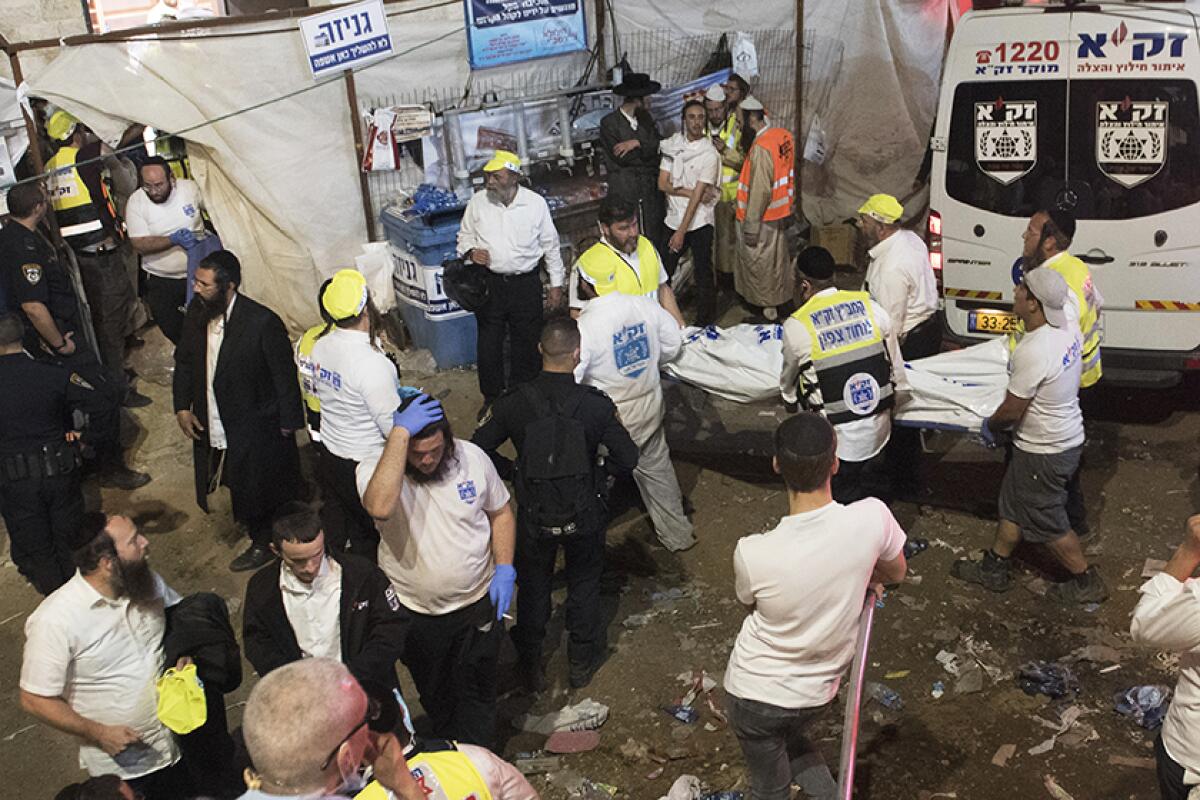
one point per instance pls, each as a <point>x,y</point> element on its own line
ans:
<point>629,141</point>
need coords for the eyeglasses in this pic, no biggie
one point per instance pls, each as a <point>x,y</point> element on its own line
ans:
<point>371,715</point>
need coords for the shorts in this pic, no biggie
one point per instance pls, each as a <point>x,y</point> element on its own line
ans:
<point>1034,493</point>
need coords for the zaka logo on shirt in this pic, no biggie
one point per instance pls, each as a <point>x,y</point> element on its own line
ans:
<point>631,350</point>
<point>189,210</point>
<point>467,492</point>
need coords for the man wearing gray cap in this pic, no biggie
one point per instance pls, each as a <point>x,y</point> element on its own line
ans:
<point>1041,409</point>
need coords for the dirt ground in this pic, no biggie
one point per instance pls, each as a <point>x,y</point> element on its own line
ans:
<point>671,614</point>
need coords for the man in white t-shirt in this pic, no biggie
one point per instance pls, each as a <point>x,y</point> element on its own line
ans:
<point>804,584</point>
<point>447,534</point>
<point>1041,409</point>
<point>164,220</point>
<point>93,650</point>
<point>691,167</point>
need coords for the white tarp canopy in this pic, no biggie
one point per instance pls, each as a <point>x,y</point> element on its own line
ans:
<point>12,131</point>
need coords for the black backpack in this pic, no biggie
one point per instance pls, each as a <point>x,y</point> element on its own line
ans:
<point>555,478</point>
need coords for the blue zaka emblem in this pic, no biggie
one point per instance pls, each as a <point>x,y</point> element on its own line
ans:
<point>861,394</point>
<point>631,350</point>
<point>467,492</point>
<point>190,210</point>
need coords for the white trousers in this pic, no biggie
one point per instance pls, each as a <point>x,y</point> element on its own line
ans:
<point>659,486</point>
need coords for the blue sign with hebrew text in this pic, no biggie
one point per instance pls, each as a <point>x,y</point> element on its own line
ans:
<point>509,31</point>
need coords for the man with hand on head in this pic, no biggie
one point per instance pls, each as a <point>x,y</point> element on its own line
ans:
<point>803,584</point>
<point>93,651</point>
<point>507,230</point>
<point>446,540</point>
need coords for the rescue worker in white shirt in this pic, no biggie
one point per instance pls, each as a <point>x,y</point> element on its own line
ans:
<point>447,535</point>
<point>93,651</point>
<point>624,253</point>
<point>725,131</point>
<point>901,280</point>
<point>839,355</point>
<point>507,230</point>
<point>357,387</point>
<point>1167,617</point>
<point>313,603</point>
<point>1045,242</point>
<point>87,219</point>
<point>623,341</point>
<point>690,171</point>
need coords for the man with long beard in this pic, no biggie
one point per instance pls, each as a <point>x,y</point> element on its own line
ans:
<point>93,651</point>
<point>446,539</point>
<point>236,397</point>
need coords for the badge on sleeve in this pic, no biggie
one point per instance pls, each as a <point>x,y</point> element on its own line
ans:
<point>80,382</point>
<point>32,273</point>
<point>393,601</point>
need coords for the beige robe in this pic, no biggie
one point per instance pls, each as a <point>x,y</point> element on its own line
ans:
<point>763,274</point>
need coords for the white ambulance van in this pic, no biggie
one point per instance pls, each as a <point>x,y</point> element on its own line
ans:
<point>1091,107</point>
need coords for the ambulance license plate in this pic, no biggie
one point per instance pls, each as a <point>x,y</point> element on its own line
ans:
<point>991,322</point>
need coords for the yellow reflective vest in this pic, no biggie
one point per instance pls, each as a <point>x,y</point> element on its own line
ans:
<point>731,134</point>
<point>306,370</point>
<point>443,773</point>
<point>78,217</point>
<point>849,355</point>
<point>611,272</point>
<point>1079,280</point>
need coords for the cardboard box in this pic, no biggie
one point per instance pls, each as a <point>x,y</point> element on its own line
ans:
<point>842,241</point>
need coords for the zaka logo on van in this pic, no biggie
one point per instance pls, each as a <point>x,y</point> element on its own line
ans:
<point>1006,138</point>
<point>1143,45</point>
<point>1131,139</point>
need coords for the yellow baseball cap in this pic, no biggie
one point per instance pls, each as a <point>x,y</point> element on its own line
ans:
<point>883,208</point>
<point>503,160</point>
<point>346,296</point>
<point>61,125</point>
<point>603,279</point>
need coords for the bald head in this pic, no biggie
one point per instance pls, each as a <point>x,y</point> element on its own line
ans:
<point>295,717</point>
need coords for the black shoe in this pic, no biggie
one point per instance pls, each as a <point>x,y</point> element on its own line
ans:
<point>533,677</point>
<point>255,556</point>
<point>135,399</point>
<point>581,674</point>
<point>991,572</point>
<point>119,476</point>
<point>1086,588</point>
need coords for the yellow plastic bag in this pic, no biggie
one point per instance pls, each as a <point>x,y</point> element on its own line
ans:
<point>181,704</point>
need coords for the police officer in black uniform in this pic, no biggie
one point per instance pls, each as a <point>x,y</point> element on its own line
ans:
<point>40,495</point>
<point>510,418</point>
<point>39,289</point>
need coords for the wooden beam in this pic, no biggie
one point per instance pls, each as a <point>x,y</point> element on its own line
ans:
<point>356,128</point>
<point>799,119</point>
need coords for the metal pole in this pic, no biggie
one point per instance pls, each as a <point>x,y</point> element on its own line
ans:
<point>798,150</point>
<point>858,670</point>
<point>359,150</point>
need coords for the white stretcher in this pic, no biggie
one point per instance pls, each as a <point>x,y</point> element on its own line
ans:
<point>950,391</point>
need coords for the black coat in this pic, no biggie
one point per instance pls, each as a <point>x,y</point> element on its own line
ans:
<point>257,391</point>
<point>373,622</point>
<point>198,626</point>
<point>633,177</point>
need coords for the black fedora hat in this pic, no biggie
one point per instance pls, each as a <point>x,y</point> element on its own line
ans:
<point>636,84</point>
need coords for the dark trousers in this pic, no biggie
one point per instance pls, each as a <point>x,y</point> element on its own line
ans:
<point>700,243</point>
<point>103,430</point>
<point>42,516</point>
<point>904,449</point>
<point>452,659</point>
<point>249,509</point>
<point>778,751</point>
<point>208,753</point>
<point>348,526</point>
<point>168,783</point>
<point>111,298</point>
<point>1076,507</point>
<point>535,559</point>
<point>166,298</point>
<point>1170,774</point>
<point>513,313</point>
<point>855,480</point>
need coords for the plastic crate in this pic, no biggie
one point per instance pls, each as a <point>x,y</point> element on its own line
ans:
<point>451,340</point>
<point>431,239</point>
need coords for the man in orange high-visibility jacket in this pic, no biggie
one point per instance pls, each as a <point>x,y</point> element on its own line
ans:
<point>763,275</point>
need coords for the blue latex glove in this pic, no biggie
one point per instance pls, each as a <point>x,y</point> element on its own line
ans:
<point>420,413</point>
<point>184,238</point>
<point>988,436</point>
<point>501,590</point>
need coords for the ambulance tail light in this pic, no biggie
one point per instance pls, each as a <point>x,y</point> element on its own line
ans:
<point>934,240</point>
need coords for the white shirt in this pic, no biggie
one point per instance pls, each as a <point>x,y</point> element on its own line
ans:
<point>516,236</point>
<point>181,209</point>
<point>900,279</point>
<point>635,263</point>
<point>216,335</point>
<point>103,656</point>
<point>356,384</point>
<point>861,439</point>
<point>314,609</point>
<point>689,163</point>
<point>807,580</point>
<point>630,118</point>
<point>1045,368</point>
<point>624,340</point>
<point>1168,617</point>
<point>437,547</point>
